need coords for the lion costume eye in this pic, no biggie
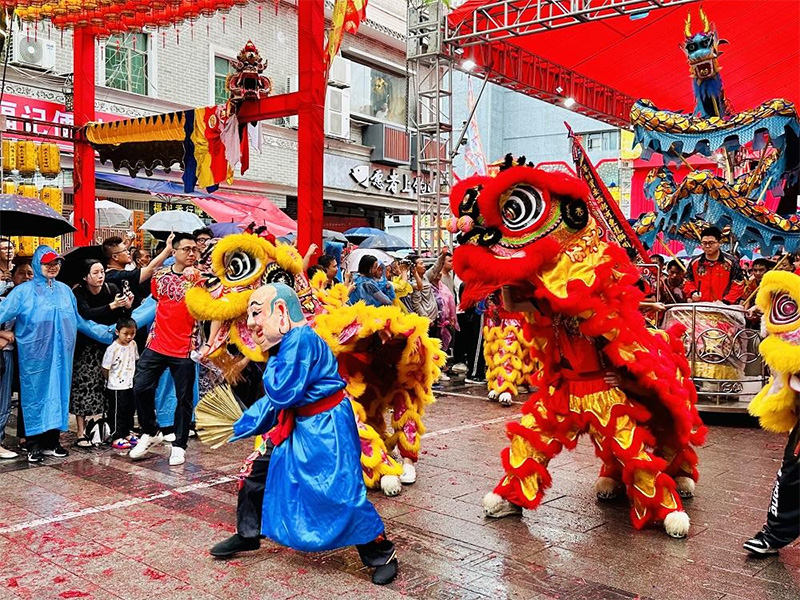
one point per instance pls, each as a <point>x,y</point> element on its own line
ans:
<point>240,265</point>
<point>784,310</point>
<point>521,207</point>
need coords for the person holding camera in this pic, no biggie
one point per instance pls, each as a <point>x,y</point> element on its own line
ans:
<point>103,303</point>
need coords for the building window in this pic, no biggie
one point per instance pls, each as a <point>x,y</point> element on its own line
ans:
<point>126,63</point>
<point>222,67</point>
<point>607,141</point>
<point>377,94</point>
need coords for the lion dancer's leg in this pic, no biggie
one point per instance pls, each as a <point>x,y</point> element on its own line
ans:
<point>377,465</point>
<point>681,464</point>
<point>408,431</point>
<point>651,491</point>
<point>536,439</point>
<point>503,362</point>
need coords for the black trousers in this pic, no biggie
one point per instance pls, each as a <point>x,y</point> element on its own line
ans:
<point>149,369</point>
<point>249,509</point>
<point>121,407</point>
<point>783,516</point>
<point>47,440</point>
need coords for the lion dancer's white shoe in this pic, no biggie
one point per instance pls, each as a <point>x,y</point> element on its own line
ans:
<point>409,475</point>
<point>676,524</point>
<point>497,507</point>
<point>685,487</point>
<point>607,488</point>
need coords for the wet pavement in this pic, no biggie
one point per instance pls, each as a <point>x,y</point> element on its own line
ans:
<point>96,525</point>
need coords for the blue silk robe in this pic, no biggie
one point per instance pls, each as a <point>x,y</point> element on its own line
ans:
<point>315,497</point>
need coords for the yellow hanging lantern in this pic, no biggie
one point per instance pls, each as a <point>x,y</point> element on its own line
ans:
<point>53,197</point>
<point>26,158</point>
<point>28,190</point>
<point>49,160</point>
<point>9,156</point>
<point>9,187</point>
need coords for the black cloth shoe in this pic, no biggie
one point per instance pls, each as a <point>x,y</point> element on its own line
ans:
<point>758,545</point>
<point>385,573</point>
<point>35,456</point>
<point>59,452</point>
<point>234,544</point>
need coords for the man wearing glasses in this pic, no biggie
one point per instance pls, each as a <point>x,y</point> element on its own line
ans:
<point>118,256</point>
<point>714,275</point>
<point>172,339</point>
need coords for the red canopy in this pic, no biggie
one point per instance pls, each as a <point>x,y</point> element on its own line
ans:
<point>642,58</point>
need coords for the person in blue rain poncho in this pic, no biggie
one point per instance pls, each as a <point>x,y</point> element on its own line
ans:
<point>47,322</point>
<point>307,491</point>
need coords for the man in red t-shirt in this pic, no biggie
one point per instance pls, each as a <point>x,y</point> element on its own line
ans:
<point>172,339</point>
<point>713,276</point>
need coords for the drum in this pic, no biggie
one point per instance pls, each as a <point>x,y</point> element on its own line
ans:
<point>715,340</point>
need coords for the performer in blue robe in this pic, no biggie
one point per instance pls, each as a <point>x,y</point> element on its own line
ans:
<point>314,498</point>
<point>47,322</point>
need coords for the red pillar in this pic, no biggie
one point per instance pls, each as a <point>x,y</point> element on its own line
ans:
<point>311,117</point>
<point>84,78</point>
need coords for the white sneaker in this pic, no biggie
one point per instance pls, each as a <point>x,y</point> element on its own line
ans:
<point>177,456</point>
<point>409,475</point>
<point>146,442</point>
<point>444,377</point>
<point>7,454</point>
<point>170,437</point>
<point>460,368</point>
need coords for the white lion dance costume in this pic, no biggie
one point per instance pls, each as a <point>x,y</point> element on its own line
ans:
<point>384,354</point>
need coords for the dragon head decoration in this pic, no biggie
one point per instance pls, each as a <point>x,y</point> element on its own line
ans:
<point>776,406</point>
<point>702,52</point>
<point>240,264</point>
<point>247,82</point>
<point>513,226</point>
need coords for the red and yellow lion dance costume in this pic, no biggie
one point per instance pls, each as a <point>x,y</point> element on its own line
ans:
<point>601,372</point>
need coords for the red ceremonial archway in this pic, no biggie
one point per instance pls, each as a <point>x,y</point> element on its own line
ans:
<point>98,19</point>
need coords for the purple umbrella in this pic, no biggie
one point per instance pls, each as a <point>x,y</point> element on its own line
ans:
<point>220,230</point>
<point>20,215</point>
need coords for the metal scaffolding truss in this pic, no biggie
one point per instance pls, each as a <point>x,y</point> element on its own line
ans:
<point>431,70</point>
<point>517,69</point>
<point>501,19</point>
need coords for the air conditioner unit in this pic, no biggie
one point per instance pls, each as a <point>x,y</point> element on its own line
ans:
<point>33,53</point>
<point>339,74</point>
<point>391,144</point>
<point>292,85</point>
<point>337,113</point>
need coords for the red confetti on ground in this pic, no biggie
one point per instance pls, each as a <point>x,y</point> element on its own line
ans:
<point>302,571</point>
<point>59,579</point>
<point>73,594</point>
<point>153,574</point>
<point>12,582</point>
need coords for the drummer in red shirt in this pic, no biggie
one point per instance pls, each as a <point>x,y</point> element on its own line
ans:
<point>714,275</point>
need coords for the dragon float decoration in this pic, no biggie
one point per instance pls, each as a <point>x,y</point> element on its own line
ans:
<point>760,150</point>
<point>384,354</point>
<point>600,372</point>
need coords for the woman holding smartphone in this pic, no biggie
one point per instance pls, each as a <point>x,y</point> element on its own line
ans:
<point>103,303</point>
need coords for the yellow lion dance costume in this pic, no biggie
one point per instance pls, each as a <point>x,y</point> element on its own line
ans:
<point>507,350</point>
<point>385,355</point>
<point>777,407</point>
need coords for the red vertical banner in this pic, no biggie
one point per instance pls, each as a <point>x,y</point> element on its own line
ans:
<point>84,77</point>
<point>311,119</point>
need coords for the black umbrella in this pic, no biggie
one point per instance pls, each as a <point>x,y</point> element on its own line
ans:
<point>74,260</point>
<point>20,215</point>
